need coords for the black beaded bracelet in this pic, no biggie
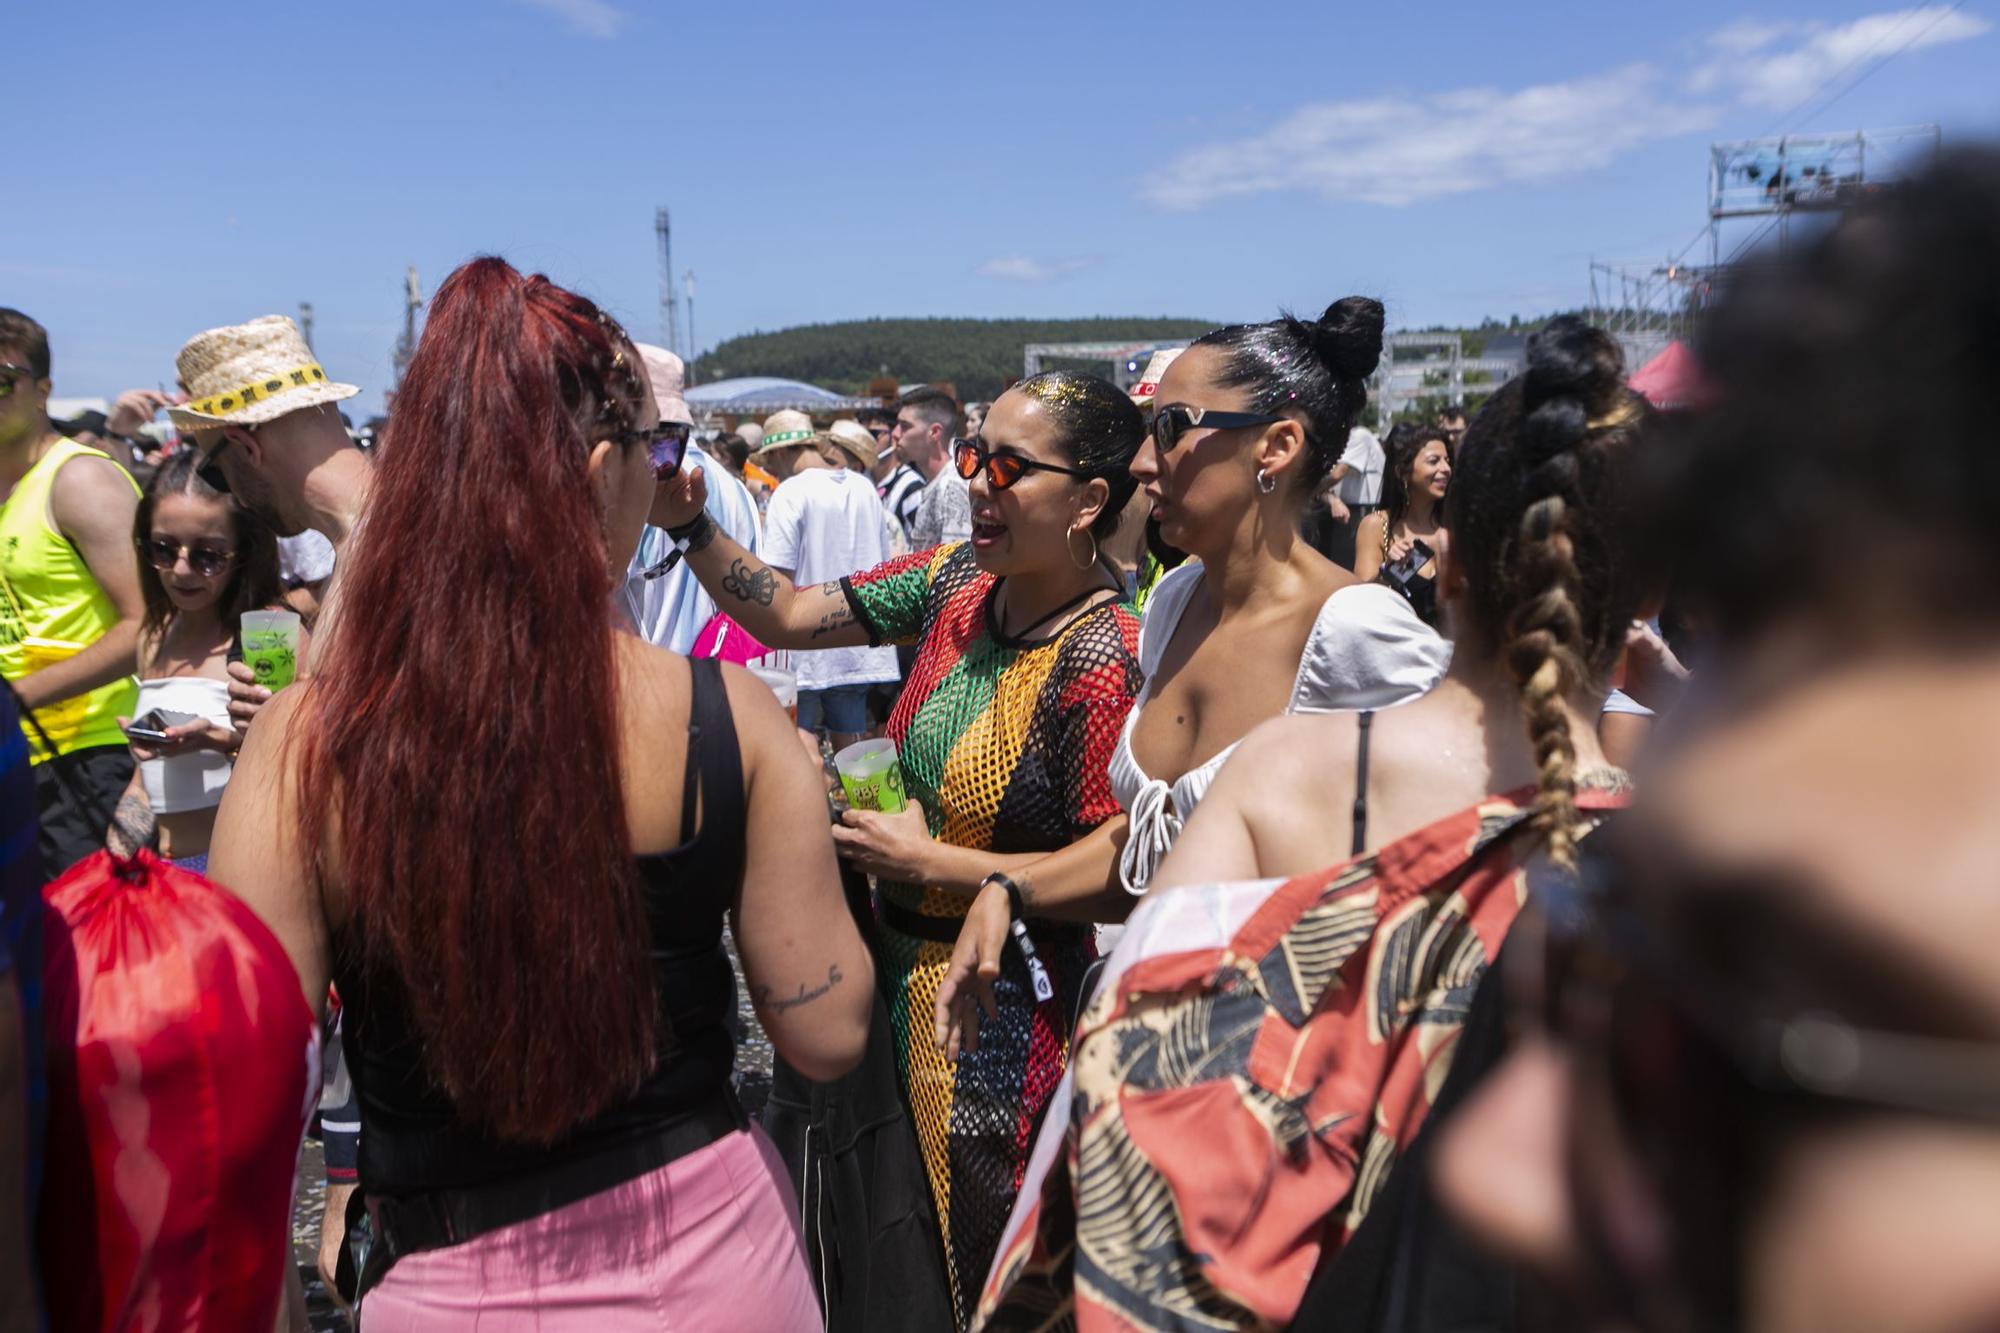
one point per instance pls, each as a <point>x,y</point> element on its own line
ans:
<point>1016,903</point>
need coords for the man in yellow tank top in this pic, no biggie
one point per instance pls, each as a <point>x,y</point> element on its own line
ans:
<point>69,600</point>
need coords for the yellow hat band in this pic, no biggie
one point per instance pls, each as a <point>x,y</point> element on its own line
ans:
<point>235,400</point>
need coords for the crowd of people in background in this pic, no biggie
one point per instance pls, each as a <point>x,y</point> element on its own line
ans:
<point>1518,872</point>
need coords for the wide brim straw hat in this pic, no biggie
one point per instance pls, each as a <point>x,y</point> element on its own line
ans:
<point>667,374</point>
<point>787,430</point>
<point>1148,386</point>
<point>247,374</point>
<point>855,439</point>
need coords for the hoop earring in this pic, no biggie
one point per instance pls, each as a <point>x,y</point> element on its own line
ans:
<point>1266,483</point>
<point>1093,547</point>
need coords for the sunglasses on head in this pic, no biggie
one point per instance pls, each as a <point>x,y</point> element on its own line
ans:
<point>207,561</point>
<point>1002,470</point>
<point>1702,1080</point>
<point>1171,423</point>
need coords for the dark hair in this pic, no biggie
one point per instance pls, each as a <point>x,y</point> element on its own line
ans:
<point>1538,513</point>
<point>934,407</point>
<point>454,818</point>
<point>1451,410</point>
<point>17,330</point>
<point>1406,439</point>
<point>1320,370</point>
<point>255,582</point>
<point>735,450</point>
<point>1098,430</point>
<point>1851,394</point>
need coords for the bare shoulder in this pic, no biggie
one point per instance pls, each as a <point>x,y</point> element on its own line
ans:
<point>1299,751</point>
<point>1372,525</point>
<point>90,490</point>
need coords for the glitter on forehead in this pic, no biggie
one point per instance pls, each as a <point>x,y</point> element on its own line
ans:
<point>1054,390</point>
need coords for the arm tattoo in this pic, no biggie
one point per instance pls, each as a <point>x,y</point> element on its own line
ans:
<point>840,617</point>
<point>750,583</point>
<point>132,826</point>
<point>761,996</point>
<point>703,534</point>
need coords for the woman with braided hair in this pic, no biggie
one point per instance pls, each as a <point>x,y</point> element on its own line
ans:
<point>1300,1028</point>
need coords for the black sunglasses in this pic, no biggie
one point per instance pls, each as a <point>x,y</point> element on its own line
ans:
<point>210,467</point>
<point>1002,470</point>
<point>207,561</point>
<point>1171,423</point>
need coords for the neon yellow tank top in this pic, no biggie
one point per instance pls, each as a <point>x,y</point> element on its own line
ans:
<point>52,608</point>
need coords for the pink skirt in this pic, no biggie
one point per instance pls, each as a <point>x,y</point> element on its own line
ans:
<point>709,1241</point>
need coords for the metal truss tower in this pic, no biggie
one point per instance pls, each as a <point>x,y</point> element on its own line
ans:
<point>670,301</point>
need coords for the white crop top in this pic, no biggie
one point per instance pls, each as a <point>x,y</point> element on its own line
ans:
<point>192,781</point>
<point>1367,649</point>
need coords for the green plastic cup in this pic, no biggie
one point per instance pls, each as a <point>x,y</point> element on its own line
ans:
<point>271,647</point>
<point>872,776</point>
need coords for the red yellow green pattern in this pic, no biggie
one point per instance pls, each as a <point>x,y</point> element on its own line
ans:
<point>1007,745</point>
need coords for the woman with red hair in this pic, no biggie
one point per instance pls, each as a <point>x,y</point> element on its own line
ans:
<point>510,834</point>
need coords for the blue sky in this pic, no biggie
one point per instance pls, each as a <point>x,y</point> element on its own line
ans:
<point>199,164</point>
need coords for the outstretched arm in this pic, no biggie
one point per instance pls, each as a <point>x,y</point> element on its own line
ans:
<point>757,596</point>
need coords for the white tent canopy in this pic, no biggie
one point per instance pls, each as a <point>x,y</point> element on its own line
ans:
<point>759,395</point>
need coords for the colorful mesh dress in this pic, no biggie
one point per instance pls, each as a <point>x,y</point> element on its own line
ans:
<point>1007,745</point>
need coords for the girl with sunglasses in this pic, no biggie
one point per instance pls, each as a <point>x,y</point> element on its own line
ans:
<point>1255,623</point>
<point>1024,672</point>
<point>1306,1022</point>
<point>203,561</point>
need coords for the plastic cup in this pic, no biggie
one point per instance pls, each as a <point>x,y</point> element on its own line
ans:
<point>271,647</point>
<point>871,775</point>
<point>784,684</point>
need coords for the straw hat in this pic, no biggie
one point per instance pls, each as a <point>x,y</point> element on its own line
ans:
<point>1156,370</point>
<point>786,430</point>
<point>246,374</point>
<point>668,375</point>
<point>856,439</point>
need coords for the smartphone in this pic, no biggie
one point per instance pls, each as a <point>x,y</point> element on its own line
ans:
<point>153,726</point>
<point>1415,559</point>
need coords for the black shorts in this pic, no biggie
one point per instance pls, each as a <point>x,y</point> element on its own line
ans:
<point>73,830</point>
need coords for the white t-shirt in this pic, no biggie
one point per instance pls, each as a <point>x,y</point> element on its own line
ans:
<point>1363,483</point>
<point>822,524</point>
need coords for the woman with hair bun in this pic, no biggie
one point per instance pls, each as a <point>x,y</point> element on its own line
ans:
<point>1305,1024</point>
<point>1256,623</point>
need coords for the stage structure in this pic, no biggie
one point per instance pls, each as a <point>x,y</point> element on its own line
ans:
<point>1128,360</point>
<point>1415,366</point>
<point>406,342</point>
<point>1760,191</point>
<point>670,304</point>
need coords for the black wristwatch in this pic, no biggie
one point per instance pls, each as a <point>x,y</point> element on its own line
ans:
<point>1016,903</point>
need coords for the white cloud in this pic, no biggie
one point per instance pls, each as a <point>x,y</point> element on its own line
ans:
<point>595,18</point>
<point>1025,268</point>
<point>1398,151</point>
<point>1393,151</point>
<point>1776,66</point>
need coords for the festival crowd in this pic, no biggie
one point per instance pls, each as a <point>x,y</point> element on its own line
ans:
<point>1529,871</point>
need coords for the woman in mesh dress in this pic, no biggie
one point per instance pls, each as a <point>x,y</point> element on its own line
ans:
<point>1026,666</point>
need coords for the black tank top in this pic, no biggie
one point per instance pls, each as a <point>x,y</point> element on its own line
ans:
<point>412,1140</point>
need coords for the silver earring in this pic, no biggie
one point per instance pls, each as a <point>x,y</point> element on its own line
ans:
<point>1266,483</point>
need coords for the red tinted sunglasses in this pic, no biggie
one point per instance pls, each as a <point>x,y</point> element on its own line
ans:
<point>1002,470</point>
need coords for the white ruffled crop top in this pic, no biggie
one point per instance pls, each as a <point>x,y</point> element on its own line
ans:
<point>191,781</point>
<point>1367,649</point>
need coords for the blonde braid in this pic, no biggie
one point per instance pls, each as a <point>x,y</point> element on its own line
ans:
<point>1545,653</point>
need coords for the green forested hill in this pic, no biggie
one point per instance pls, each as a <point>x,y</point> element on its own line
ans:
<point>976,355</point>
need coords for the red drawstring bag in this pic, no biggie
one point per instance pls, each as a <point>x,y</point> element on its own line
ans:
<point>183,1063</point>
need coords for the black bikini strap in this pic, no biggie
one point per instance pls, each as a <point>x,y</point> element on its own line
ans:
<point>714,762</point>
<point>1365,720</point>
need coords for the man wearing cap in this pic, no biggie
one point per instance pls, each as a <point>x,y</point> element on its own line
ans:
<point>69,601</point>
<point>824,521</point>
<point>667,605</point>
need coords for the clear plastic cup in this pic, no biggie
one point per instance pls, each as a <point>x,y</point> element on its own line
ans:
<point>871,775</point>
<point>784,684</point>
<point>271,647</point>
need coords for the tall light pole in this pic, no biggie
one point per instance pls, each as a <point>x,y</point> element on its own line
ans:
<point>694,348</point>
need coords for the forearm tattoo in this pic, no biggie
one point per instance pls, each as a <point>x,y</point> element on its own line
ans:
<point>761,997</point>
<point>750,583</point>
<point>838,616</point>
<point>132,826</point>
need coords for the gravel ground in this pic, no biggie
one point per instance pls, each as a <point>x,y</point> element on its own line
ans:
<point>753,1071</point>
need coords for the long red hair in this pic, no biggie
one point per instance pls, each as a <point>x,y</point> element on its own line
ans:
<point>462,754</point>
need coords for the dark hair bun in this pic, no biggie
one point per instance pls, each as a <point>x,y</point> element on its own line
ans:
<point>1348,337</point>
<point>1575,372</point>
